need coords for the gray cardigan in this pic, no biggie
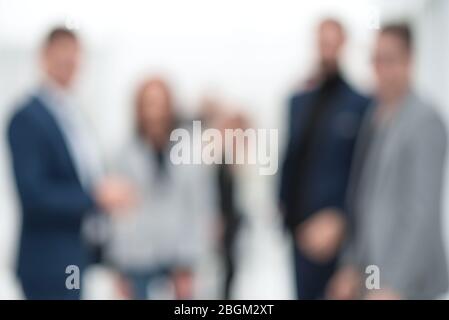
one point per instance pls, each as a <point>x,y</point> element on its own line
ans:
<point>397,203</point>
<point>166,227</point>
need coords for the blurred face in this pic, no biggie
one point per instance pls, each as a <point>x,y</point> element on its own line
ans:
<point>392,66</point>
<point>156,115</point>
<point>330,43</point>
<point>61,60</point>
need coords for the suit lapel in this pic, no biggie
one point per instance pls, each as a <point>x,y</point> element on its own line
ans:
<point>55,135</point>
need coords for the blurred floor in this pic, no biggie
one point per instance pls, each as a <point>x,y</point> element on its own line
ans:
<point>266,269</point>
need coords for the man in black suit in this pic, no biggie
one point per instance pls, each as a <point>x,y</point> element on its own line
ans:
<point>58,176</point>
<point>323,122</point>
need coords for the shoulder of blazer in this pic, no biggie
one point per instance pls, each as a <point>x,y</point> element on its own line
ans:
<point>31,112</point>
<point>417,113</point>
<point>34,117</point>
<point>357,101</point>
<point>34,113</point>
<point>23,117</point>
<point>299,100</point>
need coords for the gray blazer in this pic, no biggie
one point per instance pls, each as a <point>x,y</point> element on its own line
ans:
<point>397,203</point>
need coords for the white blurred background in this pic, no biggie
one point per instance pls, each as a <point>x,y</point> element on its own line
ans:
<point>251,52</point>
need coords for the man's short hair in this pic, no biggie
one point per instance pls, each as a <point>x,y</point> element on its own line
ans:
<point>58,33</point>
<point>402,31</point>
<point>333,22</point>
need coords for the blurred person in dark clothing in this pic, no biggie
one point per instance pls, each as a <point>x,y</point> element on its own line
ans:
<point>231,214</point>
<point>323,124</point>
<point>58,175</point>
<point>158,242</point>
<point>231,219</point>
<point>215,115</point>
<point>395,193</point>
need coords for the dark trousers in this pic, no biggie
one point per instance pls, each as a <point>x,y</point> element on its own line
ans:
<point>311,277</point>
<point>231,230</point>
<point>229,267</point>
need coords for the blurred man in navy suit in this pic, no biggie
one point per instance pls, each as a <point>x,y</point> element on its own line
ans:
<point>58,176</point>
<point>323,122</point>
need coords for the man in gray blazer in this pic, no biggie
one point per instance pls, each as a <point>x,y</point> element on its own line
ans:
<point>395,196</point>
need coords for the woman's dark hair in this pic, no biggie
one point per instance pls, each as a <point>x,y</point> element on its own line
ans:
<point>139,103</point>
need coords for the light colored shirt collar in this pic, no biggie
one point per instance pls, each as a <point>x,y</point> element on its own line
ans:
<point>55,97</point>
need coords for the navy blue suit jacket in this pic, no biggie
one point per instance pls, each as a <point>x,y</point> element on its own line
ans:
<point>52,200</point>
<point>327,174</point>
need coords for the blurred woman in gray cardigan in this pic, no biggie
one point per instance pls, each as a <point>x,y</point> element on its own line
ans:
<point>161,236</point>
<point>395,197</point>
